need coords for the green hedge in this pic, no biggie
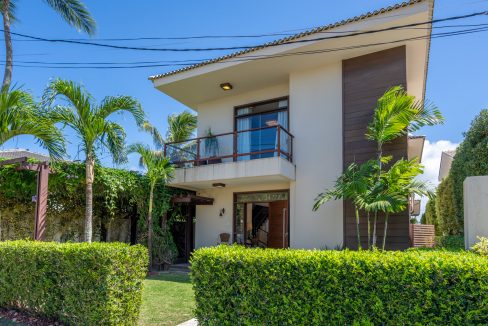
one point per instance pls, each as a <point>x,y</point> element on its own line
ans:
<point>239,286</point>
<point>450,242</point>
<point>76,283</point>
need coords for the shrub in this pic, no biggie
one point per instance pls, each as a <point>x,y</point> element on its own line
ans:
<point>471,159</point>
<point>450,242</point>
<point>445,210</point>
<point>76,283</point>
<point>239,286</point>
<point>481,247</point>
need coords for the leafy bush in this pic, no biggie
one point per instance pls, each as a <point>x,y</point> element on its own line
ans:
<point>447,221</point>
<point>76,283</point>
<point>481,247</point>
<point>471,159</point>
<point>239,286</point>
<point>450,242</point>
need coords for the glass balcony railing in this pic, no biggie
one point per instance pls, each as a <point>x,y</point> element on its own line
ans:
<point>270,141</point>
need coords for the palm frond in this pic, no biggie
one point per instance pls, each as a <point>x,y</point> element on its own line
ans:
<point>12,10</point>
<point>75,13</point>
<point>19,115</point>
<point>119,104</point>
<point>181,126</point>
<point>158,139</point>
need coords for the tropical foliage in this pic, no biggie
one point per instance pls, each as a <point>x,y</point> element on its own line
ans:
<point>73,12</point>
<point>20,115</point>
<point>120,196</point>
<point>370,186</point>
<point>158,168</point>
<point>91,122</point>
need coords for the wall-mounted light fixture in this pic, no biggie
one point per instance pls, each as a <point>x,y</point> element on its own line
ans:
<point>218,185</point>
<point>226,86</point>
<point>222,212</point>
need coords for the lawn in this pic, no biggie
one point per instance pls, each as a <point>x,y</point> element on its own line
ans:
<point>167,299</point>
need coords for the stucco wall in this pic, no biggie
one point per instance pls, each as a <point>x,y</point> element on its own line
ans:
<point>475,209</point>
<point>316,123</point>
<point>209,224</point>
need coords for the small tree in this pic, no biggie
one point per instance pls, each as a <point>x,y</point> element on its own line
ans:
<point>387,191</point>
<point>92,125</point>
<point>158,168</point>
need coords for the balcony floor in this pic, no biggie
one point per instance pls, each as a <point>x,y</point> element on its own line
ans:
<point>258,171</point>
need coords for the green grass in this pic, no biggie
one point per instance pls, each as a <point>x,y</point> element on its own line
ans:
<point>167,299</point>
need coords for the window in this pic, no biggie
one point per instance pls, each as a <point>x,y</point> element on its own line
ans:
<point>260,142</point>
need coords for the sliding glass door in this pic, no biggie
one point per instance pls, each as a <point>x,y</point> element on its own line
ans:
<point>260,141</point>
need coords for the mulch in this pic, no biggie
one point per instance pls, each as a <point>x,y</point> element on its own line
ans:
<point>26,318</point>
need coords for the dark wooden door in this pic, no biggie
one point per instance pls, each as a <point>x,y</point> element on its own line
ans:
<point>278,224</point>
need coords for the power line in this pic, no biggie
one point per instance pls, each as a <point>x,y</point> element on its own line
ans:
<point>258,57</point>
<point>246,47</point>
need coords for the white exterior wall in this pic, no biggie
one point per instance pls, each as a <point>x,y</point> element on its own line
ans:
<point>209,224</point>
<point>475,209</point>
<point>316,123</point>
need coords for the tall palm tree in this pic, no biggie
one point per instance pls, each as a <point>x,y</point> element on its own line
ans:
<point>91,123</point>
<point>73,12</point>
<point>19,116</point>
<point>158,168</point>
<point>396,114</point>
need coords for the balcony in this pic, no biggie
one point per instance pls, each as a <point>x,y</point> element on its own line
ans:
<point>254,155</point>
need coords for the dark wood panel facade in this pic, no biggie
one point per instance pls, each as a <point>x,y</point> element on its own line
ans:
<point>365,79</point>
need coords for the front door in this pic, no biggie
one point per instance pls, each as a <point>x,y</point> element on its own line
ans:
<point>278,224</point>
<point>261,219</point>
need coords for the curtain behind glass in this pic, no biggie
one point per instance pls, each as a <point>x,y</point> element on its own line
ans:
<point>243,138</point>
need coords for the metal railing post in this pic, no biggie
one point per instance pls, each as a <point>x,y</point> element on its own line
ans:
<point>234,147</point>
<point>279,141</point>
<point>198,152</point>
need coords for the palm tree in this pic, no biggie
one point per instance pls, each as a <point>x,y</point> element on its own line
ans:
<point>19,116</point>
<point>91,123</point>
<point>181,127</point>
<point>398,183</point>
<point>396,114</point>
<point>158,168</point>
<point>73,12</point>
<point>352,185</point>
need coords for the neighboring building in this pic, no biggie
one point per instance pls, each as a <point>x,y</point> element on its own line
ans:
<point>446,162</point>
<point>286,119</point>
<point>20,152</point>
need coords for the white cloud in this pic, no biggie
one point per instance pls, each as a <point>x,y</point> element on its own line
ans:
<point>431,159</point>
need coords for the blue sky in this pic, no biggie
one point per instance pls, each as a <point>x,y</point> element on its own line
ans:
<point>457,78</point>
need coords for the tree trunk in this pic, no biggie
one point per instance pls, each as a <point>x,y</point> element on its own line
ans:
<point>369,231</point>
<point>89,176</point>
<point>384,233</point>
<point>357,227</point>
<point>150,224</point>
<point>7,76</point>
<point>374,228</point>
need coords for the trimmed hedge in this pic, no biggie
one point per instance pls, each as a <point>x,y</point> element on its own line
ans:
<point>239,286</point>
<point>76,283</point>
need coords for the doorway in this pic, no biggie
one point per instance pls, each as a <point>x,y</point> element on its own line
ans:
<point>261,219</point>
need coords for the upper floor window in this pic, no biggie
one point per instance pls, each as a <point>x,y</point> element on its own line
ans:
<point>259,119</point>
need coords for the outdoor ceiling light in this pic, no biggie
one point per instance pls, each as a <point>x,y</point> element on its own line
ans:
<point>218,185</point>
<point>226,86</point>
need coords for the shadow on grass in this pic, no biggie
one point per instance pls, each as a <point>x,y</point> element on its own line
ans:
<point>170,277</point>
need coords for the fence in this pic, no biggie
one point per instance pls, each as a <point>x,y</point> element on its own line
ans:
<point>422,235</point>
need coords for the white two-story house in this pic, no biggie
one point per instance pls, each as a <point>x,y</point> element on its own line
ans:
<point>277,124</point>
